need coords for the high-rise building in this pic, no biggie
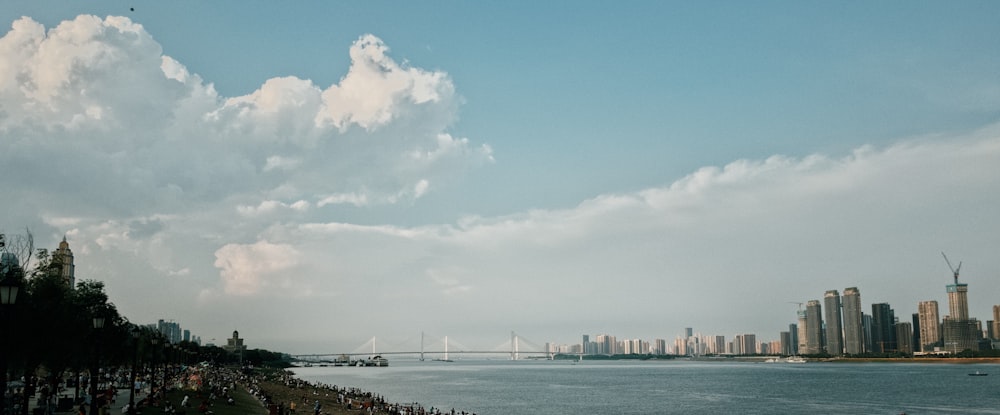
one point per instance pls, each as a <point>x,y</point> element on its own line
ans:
<point>785,338</point>
<point>814,327</point>
<point>996,323</point>
<point>793,339</point>
<point>745,344</point>
<point>803,335</point>
<point>930,325</point>
<point>834,323</point>
<point>959,332</point>
<point>883,332</point>
<point>958,301</point>
<point>915,335</point>
<point>585,345</point>
<point>63,256</point>
<point>853,335</point>
<point>866,331</point>
<point>904,332</point>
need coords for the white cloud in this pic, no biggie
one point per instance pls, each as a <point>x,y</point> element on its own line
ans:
<point>247,269</point>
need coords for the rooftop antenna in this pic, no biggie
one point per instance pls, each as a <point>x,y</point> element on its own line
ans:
<point>954,270</point>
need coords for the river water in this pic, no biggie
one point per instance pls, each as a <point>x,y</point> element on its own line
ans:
<point>675,387</point>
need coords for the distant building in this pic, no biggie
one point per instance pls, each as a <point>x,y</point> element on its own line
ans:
<point>235,344</point>
<point>793,343</point>
<point>802,334</point>
<point>904,332</point>
<point>814,327</point>
<point>995,324</point>
<point>854,341</point>
<point>834,323</point>
<point>930,325</point>
<point>883,332</point>
<point>960,332</point>
<point>915,335</point>
<point>63,257</point>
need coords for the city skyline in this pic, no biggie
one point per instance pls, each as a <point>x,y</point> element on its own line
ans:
<point>381,169</point>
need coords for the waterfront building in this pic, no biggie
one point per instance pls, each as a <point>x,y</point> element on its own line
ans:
<point>883,332</point>
<point>904,333</point>
<point>866,332</point>
<point>930,325</point>
<point>63,257</point>
<point>745,344</point>
<point>814,327</point>
<point>995,325</point>
<point>960,332</point>
<point>719,345</point>
<point>802,330</point>
<point>661,346</point>
<point>793,333</point>
<point>834,323</point>
<point>786,343</point>
<point>853,335</point>
<point>585,345</point>
<point>915,336</point>
<point>958,301</point>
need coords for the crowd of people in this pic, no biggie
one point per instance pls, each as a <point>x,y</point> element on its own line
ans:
<point>284,394</point>
<point>204,386</point>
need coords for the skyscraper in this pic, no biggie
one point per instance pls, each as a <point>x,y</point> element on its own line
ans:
<point>930,325</point>
<point>853,335</point>
<point>958,331</point>
<point>793,339</point>
<point>814,327</point>
<point>803,334</point>
<point>834,323</point>
<point>996,322</point>
<point>903,334</point>
<point>883,332</point>
<point>958,301</point>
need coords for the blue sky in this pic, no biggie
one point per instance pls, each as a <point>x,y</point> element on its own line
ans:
<point>645,146</point>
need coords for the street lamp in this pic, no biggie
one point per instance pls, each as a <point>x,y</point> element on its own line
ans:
<point>135,364</point>
<point>98,327</point>
<point>8,297</point>
<point>152,375</point>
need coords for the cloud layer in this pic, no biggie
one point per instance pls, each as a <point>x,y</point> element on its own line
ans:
<point>243,212</point>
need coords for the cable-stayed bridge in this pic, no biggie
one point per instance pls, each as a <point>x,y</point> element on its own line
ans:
<point>516,347</point>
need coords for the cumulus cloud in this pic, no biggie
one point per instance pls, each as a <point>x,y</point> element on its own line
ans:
<point>101,99</point>
<point>246,269</point>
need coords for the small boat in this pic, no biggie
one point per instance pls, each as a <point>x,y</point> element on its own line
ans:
<point>795,359</point>
<point>978,373</point>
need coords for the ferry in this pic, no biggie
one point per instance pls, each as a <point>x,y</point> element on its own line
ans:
<point>377,361</point>
<point>978,373</point>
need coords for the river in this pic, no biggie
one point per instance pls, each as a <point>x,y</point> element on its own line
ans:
<point>673,387</point>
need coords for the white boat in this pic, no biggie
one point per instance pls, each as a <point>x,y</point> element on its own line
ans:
<point>795,359</point>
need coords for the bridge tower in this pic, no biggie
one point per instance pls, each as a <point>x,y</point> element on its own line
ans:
<point>513,346</point>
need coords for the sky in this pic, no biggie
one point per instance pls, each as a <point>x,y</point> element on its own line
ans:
<point>315,174</point>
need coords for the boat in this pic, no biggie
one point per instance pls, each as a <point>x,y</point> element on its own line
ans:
<point>978,373</point>
<point>377,361</point>
<point>795,359</point>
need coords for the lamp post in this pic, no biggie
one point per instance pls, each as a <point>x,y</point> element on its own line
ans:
<point>98,327</point>
<point>152,375</point>
<point>135,365</point>
<point>8,297</point>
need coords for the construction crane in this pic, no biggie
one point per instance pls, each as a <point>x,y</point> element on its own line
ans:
<point>954,270</point>
<point>795,302</point>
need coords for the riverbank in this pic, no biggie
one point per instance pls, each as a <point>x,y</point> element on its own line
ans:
<point>282,392</point>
